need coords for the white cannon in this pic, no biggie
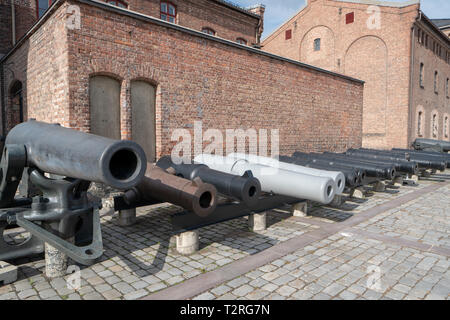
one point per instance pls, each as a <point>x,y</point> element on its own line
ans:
<point>276,180</point>
<point>338,177</point>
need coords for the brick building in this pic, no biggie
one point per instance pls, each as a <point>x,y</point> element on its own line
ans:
<point>107,69</point>
<point>402,56</point>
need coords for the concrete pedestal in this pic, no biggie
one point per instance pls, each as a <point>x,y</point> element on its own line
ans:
<point>398,181</point>
<point>379,186</point>
<point>300,209</point>
<point>188,243</point>
<point>337,202</point>
<point>358,193</point>
<point>8,273</point>
<point>257,222</point>
<point>127,217</point>
<point>56,262</point>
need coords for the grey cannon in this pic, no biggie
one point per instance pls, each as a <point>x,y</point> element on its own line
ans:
<point>422,161</point>
<point>372,170</point>
<point>274,180</point>
<point>338,177</point>
<point>245,188</point>
<point>61,214</point>
<point>353,177</point>
<point>432,145</point>
<point>160,185</point>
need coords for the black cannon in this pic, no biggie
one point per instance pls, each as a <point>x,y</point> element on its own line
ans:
<point>246,188</point>
<point>432,145</point>
<point>62,215</point>
<point>431,154</point>
<point>353,177</point>
<point>372,170</point>
<point>422,162</point>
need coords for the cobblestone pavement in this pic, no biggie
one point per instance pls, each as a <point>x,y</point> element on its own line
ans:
<point>142,259</point>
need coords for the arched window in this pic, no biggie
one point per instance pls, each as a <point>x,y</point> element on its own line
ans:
<point>168,12</point>
<point>446,126</point>
<point>421,77</point>
<point>118,3</point>
<point>434,125</point>
<point>419,123</point>
<point>436,84</point>
<point>208,31</point>
<point>317,44</point>
<point>15,114</point>
<point>241,41</point>
<point>42,6</point>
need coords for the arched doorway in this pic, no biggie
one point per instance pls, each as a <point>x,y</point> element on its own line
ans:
<point>104,101</point>
<point>143,95</point>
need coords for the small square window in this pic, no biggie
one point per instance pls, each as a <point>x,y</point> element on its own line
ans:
<point>288,34</point>
<point>349,18</point>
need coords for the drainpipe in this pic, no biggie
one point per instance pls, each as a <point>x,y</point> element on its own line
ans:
<point>2,96</point>
<point>13,22</point>
<point>411,83</point>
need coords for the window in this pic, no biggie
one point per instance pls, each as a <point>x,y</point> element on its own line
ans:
<point>288,34</point>
<point>436,84</point>
<point>317,44</point>
<point>419,123</point>
<point>241,41</point>
<point>434,126</point>
<point>118,3</point>
<point>42,6</point>
<point>15,114</point>
<point>421,76</point>
<point>208,31</point>
<point>349,18</point>
<point>446,127</point>
<point>446,88</point>
<point>168,12</point>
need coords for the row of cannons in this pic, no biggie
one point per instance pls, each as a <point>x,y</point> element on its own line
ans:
<point>46,171</point>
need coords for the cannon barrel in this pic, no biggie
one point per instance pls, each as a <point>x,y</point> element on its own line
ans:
<point>67,152</point>
<point>422,161</point>
<point>195,196</point>
<point>442,146</point>
<point>401,166</point>
<point>433,155</point>
<point>374,171</point>
<point>380,170</point>
<point>275,180</point>
<point>338,177</point>
<point>245,188</point>
<point>353,177</point>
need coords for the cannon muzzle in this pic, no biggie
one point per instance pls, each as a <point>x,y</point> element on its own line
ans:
<point>67,152</point>
<point>195,196</point>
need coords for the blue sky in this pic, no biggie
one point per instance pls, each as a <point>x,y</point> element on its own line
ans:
<point>278,11</point>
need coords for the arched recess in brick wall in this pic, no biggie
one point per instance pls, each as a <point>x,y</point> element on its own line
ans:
<point>434,124</point>
<point>420,121</point>
<point>104,106</point>
<point>366,59</point>
<point>143,131</point>
<point>321,56</point>
<point>446,127</point>
<point>15,111</point>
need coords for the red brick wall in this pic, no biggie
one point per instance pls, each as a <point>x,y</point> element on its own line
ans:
<point>196,14</point>
<point>41,64</point>
<point>425,98</point>
<point>381,57</point>
<point>226,87</point>
<point>5,26</point>
<point>26,16</point>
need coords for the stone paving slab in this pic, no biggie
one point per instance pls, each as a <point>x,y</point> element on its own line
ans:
<point>141,260</point>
